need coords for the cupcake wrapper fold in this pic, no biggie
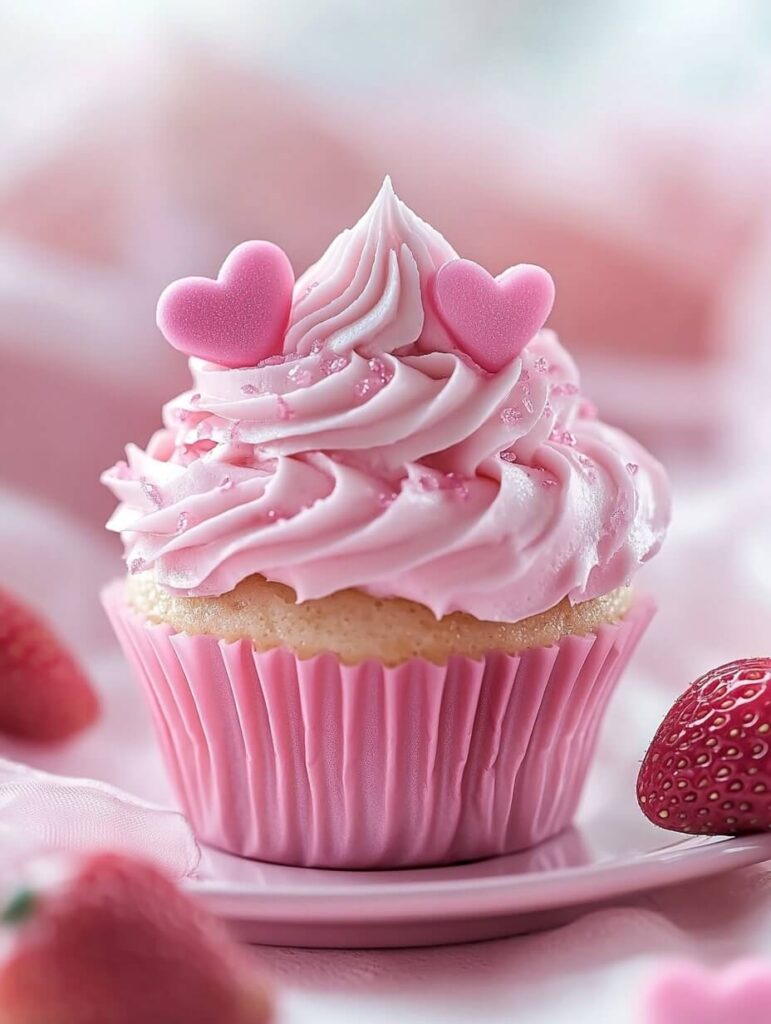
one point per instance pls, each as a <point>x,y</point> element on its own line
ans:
<point>314,763</point>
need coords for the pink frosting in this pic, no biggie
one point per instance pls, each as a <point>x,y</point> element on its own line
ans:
<point>373,454</point>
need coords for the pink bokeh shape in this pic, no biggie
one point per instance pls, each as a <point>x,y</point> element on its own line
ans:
<point>689,994</point>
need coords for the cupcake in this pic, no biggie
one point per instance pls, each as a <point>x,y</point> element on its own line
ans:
<point>379,556</point>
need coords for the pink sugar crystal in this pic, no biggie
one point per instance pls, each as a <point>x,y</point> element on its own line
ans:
<point>284,411</point>
<point>508,456</point>
<point>152,492</point>
<point>564,389</point>
<point>457,485</point>
<point>386,498</point>
<point>541,364</point>
<point>300,376</point>
<point>451,483</point>
<point>362,387</point>
<point>333,364</point>
<point>136,565</point>
<point>428,482</point>
<point>510,416</point>
<point>589,468</point>
<point>617,517</point>
<point>380,370</point>
<point>631,468</point>
<point>249,389</point>
<point>563,437</point>
<point>183,521</point>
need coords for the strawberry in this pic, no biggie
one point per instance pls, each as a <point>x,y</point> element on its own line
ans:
<point>117,943</point>
<point>708,769</point>
<point>44,694</point>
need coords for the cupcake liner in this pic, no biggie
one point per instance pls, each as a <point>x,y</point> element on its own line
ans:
<point>314,763</point>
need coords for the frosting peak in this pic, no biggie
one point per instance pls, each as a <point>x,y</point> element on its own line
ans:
<point>373,453</point>
<point>369,290</point>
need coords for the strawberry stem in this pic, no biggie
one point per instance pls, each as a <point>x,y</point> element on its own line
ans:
<point>20,907</point>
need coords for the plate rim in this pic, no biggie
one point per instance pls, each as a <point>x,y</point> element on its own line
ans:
<point>689,858</point>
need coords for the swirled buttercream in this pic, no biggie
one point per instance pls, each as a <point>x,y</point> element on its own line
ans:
<point>373,454</point>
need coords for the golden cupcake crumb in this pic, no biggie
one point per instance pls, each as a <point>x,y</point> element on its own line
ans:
<point>356,626</point>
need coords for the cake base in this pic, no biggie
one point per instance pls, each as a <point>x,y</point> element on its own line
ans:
<point>356,626</point>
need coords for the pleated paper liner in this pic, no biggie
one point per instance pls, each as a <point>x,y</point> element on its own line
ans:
<point>310,762</point>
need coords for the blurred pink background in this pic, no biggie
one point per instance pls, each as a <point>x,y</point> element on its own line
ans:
<point>140,147</point>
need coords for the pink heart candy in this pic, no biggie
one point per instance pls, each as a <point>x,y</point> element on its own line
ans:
<point>240,318</point>
<point>492,318</point>
<point>687,994</point>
